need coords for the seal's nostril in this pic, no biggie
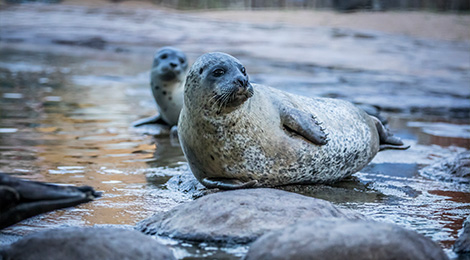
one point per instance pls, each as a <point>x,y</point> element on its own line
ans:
<point>173,65</point>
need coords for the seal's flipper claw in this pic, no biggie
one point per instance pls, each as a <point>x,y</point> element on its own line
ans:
<point>156,119</point>
<point>304,125</point>
<point>227,184</point>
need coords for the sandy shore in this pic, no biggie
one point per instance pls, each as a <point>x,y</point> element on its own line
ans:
<point>439,26</point>
<point>452,27</point>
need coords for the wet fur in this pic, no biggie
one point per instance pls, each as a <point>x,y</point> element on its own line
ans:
<point>247,145</point>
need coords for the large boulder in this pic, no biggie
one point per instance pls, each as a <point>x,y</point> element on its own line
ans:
<point>337,239</point>
<point>239,216</point>
<point>455,168</point>
<point>462,244</point>
<point>86,243</point>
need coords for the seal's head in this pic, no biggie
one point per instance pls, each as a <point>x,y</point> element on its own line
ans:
<point>169,64</point>
<point>217,80</point>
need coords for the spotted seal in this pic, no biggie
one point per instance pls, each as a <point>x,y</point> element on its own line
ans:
<point>235,134</point>
<point>167,78</point>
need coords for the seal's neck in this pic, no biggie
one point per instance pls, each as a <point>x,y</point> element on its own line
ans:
<point>168,86</point>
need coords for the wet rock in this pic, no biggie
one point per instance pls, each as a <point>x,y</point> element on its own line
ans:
<point>33,1</point>
<point>455,168</point>
<point>239,216</point>
<point>462,245</point>
<point>364,36</point>
<point>344,239</point>
<point>339,193</point>
<point>349,190</point>
<point>351,5</point>
<point>188,184</point>
<point>93,42</point>
<point>337,33</point>
<point>86,243</point>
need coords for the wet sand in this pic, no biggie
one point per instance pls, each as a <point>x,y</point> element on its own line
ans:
<point>452,27</point>
<point>425,24</point>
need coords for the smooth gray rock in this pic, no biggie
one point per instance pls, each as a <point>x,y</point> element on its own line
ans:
<point>239,216</point>
<point>462,244</point>
<point>338,239</point>
<point>86,243</point>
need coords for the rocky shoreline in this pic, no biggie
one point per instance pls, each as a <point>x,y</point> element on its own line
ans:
<point>418,77</point>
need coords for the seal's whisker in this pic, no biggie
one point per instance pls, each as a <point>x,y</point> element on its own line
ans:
<point>222,101</point>
<point>228,97</point>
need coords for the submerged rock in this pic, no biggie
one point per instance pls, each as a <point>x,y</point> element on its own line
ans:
<point>462,245</point>
<point>86,243</point>
<point>455,168</point>
<point>188,184</point>
<point>94,42</point>
<point>239,216</point>
<point>335,239</point>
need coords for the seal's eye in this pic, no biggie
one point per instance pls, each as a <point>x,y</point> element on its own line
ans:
<point>181,60</point>
<point>164,56</point>
<point>218,72</point>
<point>243,71</point>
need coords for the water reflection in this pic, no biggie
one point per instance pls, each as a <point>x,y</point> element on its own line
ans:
<point>66,120</point>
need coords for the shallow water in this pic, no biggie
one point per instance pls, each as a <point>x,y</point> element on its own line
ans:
<point>65,115</point>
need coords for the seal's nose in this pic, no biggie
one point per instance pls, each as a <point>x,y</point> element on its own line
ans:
<point>241,82</point>
<point>173,65</point>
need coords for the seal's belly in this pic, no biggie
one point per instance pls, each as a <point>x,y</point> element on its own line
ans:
<point>261,149</point>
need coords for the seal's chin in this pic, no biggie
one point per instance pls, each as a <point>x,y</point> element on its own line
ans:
<point>168,75</point>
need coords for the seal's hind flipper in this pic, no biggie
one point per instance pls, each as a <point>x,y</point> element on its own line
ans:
<point>303,124</point>
<point>387,139</point>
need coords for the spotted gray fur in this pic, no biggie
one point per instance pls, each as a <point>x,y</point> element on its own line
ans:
<point>167,79</point>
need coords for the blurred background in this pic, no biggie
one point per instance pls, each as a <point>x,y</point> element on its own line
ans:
<point>341,5</point>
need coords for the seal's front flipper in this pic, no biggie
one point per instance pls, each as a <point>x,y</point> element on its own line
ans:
<point>387,139</point>
<point>303,124</point>
<point>227,184</point>
<point>156,119</point>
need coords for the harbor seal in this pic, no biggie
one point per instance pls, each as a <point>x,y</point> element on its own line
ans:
<point>167,78</point>
<point>235,134</point>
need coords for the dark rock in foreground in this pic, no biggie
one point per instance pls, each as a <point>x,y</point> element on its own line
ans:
<point>336,239</point>
<point>462,245</point>
<point>86,243</point>
<point>239,216</point>
<point>450,169</point>
<point>22,199</point>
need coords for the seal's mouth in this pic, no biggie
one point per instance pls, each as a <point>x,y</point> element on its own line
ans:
<point>168,74</point>
<point>234,96</point>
